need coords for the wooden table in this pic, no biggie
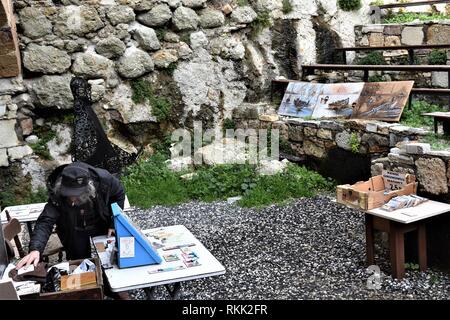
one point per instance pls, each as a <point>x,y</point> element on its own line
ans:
<point>396,224</point>
<point>443,117</point>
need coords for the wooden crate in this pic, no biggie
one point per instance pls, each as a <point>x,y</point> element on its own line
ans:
<point>89,292</point>
<point>371,194</point>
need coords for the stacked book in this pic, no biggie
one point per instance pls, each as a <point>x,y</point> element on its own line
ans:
<point>406,201</point>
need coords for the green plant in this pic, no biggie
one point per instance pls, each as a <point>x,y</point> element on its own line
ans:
<point>437,141</point>
<point>229,123</point>
<point>172,67</point>
<point>349,5</point>
<point>242,3</point>
<point>142,92</point>
<point>376,78</point>
<point>287,6</point>
<point>160,33</point>
<point>45,135</point>
<point>18,195</point>
<point>373,58</point>
<point>354,142</point>
<point>285,146</point>
<point>294,182</point>
<point>411,266</point>
<point>377,3</point>
<point>411,16</point>
<point>261,22</point>
<point>437,57</point>
<point>149,182</point>
<point>413,117</point>
<point>186,38</point>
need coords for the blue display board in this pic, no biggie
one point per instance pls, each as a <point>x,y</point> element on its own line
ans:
<point>134,249</point>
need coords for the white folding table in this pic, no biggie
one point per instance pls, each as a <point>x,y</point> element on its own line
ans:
<point>166,273</point>
<point>26,213</point>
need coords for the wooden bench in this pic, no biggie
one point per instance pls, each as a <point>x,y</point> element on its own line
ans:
<point>410,49</point>
<point>310,68</point>
<point>443,117</point>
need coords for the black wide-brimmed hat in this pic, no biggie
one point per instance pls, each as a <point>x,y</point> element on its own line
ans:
<point>74,181</point>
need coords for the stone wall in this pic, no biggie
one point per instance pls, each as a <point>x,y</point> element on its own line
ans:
<point>203,57</point>
<point>432,168</point>
<point>324,143</point>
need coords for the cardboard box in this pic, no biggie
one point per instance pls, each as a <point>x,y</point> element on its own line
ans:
<point>371,194</point>
<point>92,288</point>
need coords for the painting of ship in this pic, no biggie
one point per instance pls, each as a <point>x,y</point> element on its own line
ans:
<point>300,104</point>
<point>339,105</point>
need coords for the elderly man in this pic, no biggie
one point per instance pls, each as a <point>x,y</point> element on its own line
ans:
<point>80,198</point>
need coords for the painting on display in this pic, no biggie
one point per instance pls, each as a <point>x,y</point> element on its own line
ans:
<point>300,99</point>
<point>377,100</point>
<point>383,100</point>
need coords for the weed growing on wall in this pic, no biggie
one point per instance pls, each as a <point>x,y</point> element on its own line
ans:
<point>373,58</point>
<point>349,5</point>
<point>142,92</point>
<point>261,22</point>
<point>437,57</point>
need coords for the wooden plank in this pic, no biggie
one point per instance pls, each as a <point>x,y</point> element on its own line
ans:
<point>404,47</point>
<point>443,115</point>
<point>397,251</point>
<point>412,4</point>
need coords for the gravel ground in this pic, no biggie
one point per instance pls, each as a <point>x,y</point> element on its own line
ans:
<point>309,249</point>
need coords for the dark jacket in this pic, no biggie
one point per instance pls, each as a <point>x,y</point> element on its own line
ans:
<point>108,190</point>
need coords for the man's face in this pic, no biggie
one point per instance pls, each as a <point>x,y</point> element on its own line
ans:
<point>73,201</point>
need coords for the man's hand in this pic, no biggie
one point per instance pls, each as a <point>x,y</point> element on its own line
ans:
<point>111,232</point>
<point>31,258</point>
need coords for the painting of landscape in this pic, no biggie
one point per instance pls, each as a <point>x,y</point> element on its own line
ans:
<point>377,100</point>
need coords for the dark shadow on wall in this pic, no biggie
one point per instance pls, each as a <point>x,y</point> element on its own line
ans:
<point>343,166</point>
<point>326,41</point>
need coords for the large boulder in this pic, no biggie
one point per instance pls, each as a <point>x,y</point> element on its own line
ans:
<point>431,175</point>
<point>46,59</point>
<point>243,14</point>
<point>34,23</point>
<point>78,20</point>
<point>228,48</point>
<point>120,14</point>
<point>19,152</point>
<point>134,63</point>
<point>224,151</point>
<point>146,37</point>
<point>110,47</point>
<point>129,112</point>
<point>185,19</point>
<point>194,3</point>
<point>272,167</point>
<point>158,16</point>
<point>164,58</point>
<point>92,65</point>
<point>53,91</point>
<point>211,18</point>
<point>8,133</point>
